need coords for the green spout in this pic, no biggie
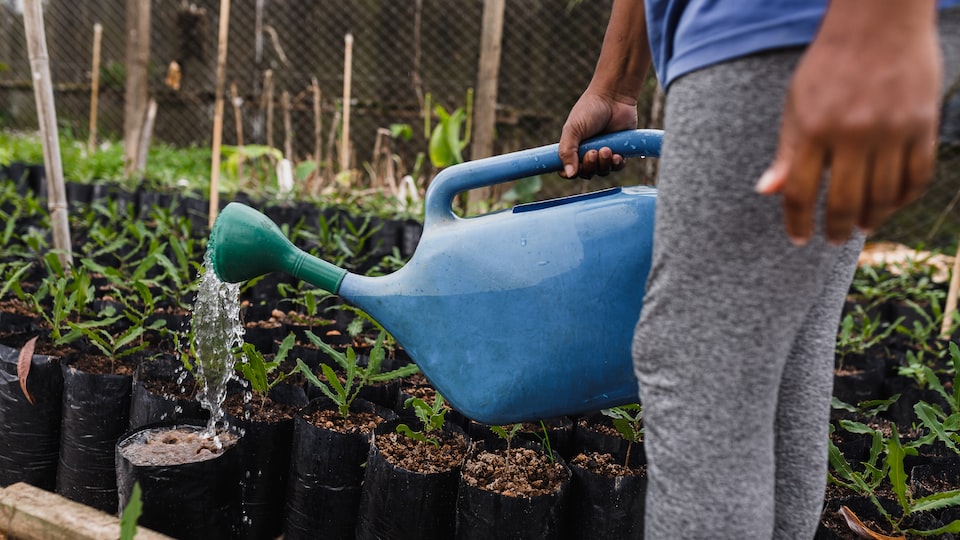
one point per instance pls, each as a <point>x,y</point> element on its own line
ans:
<point>245,244</point>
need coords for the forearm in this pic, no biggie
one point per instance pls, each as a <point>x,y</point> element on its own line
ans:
<point>625,55</point>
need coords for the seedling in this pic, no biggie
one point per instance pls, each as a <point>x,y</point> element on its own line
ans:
<point>854,339</point>
<point>356,377</point>
<point>430,416</point>
<point>257,370</point>
<point>131,514</point>
<point>945,425</point>
<point>885,463</point>
<point>627,420</point>
<point>506,433</point>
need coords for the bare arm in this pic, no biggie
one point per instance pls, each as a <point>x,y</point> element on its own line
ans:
<point>610,101</point>
<point>863,103</point>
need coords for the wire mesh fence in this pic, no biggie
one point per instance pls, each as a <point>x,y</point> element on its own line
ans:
<point>408,56</point>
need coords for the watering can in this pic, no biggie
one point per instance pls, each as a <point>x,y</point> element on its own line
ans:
<point>516,315</point>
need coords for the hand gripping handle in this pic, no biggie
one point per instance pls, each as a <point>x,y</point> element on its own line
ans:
<point>516,165</point>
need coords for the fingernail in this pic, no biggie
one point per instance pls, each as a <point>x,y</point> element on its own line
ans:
<point>763,185</point>
<point>798,241</point>
<point>569,171</point>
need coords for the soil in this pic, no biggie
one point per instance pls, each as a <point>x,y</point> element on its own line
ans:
<point>164,447</point>
<point>356,422</point>
<point>516,472</point>
<point>606,465</point>
<point>423,457</point>
<point>300,319</point>
<point>103,365</point>
<point>17,307</point>
<point>263,410</point>
<point>598,427</point>
<point>170,388</point>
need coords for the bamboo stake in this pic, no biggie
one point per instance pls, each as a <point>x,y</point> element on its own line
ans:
<point>287,129</point>
<point>47,119</point>
<point>347,75</point>
<point>146,133</point>
<point>268,103</point>
<point>136,86</point>
<point>332,143</point>
<point>218,110</point>
<point>317,121</point>
<point>952,295</point>
<point>237,103</point>
<point>94,86</point>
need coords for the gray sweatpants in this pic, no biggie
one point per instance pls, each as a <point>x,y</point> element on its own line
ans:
<point>734,348</point>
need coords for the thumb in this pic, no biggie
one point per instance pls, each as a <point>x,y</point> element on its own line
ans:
<point>568,149</point>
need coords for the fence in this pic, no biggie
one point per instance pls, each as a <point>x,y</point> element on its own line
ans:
<point>404,52</point>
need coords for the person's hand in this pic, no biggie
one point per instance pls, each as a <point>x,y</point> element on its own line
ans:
<point>864,103</point>
<point>592,115</point>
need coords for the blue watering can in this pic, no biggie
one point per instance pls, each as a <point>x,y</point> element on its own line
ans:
<point>516,315</point>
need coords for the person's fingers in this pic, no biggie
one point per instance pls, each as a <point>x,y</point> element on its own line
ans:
<point>921,156</point>
<point>589,164</point>
<point>569,145</point>
<point>883,188</point>
<point>850,167</point>
<point>800,172</point>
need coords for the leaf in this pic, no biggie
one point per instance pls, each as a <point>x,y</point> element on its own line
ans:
<point>898,476</point>
<point>308,374</point>
<point>861,530</point>
<point>131,513</point>
<point>23,366</point>
<point>937,501</point>
<point>928,418</point>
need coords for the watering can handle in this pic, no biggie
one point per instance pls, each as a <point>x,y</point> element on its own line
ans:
<point>516,165</point>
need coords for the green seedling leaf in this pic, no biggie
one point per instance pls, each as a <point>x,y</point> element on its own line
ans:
<point>254,370</point>
<point>928,417</point>
<point>131,514</point>
<point>944,499</point>
<point>308,374</point>
<point>898,476</point>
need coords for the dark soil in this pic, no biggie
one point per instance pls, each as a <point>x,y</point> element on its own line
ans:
<point>604,429</point>
<point>103,365</point>
<point>17,307</point>
<point>606,465</point>
<point>170,388</point>
<point>423,457</point>
<point>517,472</point>
<point>260,409</point>
<point>356,422</point>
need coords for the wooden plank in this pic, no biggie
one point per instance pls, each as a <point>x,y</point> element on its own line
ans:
<point>30,513</point>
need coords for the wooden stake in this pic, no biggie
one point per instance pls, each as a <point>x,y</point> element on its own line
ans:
<point>94,86</point>
<point>952,294</point>
<point>237,103</point>
<point>30,513</point>
<point>347,75</point>
<point>136,63</point>
<point>317,121</point>
<point>287,129</point>
<point>218,110</point>
<point>146,133</point>
<point>47,119</point>
<point>488,77</point>
<point>268,103</point>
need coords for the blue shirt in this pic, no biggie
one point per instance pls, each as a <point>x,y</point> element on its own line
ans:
<point>686,35</point>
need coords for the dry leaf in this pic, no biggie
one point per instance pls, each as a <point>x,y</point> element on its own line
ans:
<point>23,366</point>
<point>861,530</point>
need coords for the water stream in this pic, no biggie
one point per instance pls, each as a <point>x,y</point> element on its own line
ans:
<point>217,333</point>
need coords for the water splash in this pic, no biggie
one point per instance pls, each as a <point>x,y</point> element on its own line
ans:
<point>217,333</point>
